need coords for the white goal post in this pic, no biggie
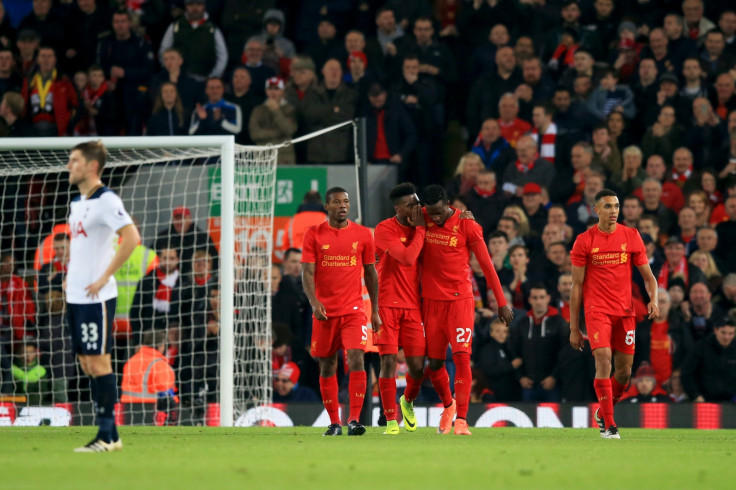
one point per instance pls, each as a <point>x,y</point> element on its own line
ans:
<point>22,156</point>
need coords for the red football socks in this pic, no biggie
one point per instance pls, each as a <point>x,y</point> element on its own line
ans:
<point>463,380</point>
<point>412,388</point>
<point>605,397</point>
<point>328,388</point>
<point>617,389</point>
<point>356,386</point>
<point>387,386</point>
<point>441,382</point>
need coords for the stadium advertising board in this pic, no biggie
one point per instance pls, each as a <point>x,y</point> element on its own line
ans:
<point>527,415</point>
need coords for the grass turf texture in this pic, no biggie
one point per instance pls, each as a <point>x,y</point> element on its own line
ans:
<point>300,457</point>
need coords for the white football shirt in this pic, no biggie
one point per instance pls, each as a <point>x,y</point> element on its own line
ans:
<point>94,224</point>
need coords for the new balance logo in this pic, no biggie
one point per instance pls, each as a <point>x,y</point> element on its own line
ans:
<point>360,395</point>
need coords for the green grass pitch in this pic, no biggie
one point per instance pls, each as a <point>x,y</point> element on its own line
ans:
<point>300,458</point>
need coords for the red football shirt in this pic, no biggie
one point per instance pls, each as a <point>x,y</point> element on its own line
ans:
<point>397,251</point>
<point>608,258</point>
<point>339,256</point>
<point>446,260</point>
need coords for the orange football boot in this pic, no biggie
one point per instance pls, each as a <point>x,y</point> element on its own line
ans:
<point>446,420</point>
<point>461,428</point>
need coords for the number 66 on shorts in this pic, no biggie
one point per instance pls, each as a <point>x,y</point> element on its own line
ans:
<point>616,332</point>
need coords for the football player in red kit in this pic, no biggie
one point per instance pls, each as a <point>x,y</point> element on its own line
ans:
<point>602,258</point>
<point>399,242</point>
<point>335,255</point>
<point>449,305</point>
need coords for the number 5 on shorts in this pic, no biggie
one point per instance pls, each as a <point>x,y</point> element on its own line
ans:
<point>630,339</point>
<point>466,333</point>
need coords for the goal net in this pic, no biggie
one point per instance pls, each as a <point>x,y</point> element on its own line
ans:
<point>198,284</point>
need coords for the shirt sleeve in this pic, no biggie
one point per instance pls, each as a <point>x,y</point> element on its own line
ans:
<point>579,253</point>
<point>474,232</point>
<point>639,249</point>
<point>309,255</point>
<point>388,240</point>
<point>484,259</point>
<point>113,212</point>
<point>369,249</point>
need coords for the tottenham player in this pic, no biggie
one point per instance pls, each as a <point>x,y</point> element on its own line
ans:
<point>96,217</point>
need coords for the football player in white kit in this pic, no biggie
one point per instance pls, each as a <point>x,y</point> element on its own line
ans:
<point>96,218</point>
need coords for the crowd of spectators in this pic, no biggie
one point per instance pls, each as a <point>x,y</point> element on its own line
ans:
<point>542,103</point>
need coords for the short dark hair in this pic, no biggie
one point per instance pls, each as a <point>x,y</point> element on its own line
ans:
<point>154,338</point>
<point>554,244</point>
<point>538,285</point>
<point>514,248</point>
<point>384,9</point>
<point>558,206</point>
<point>513,220</point>
<point>632,197</point>
<point>123,12</point>
<point>652,217</point>
<point>93,150</point>
<point>401,190</point>
<point>605,193</point>
<point>498,234</point>
<point>333,190</point>
<point>424,18</point>
<point>462,199</point>
<point>290,251</point>
<point>312,197</point>
<point>609,71</point>
<point>547,107</point>
<point>60,237</point>
<point>715,30</point>
<point>694,58</point>
<point>433,194</point>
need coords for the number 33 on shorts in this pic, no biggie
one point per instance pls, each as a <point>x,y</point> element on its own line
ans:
<point>90,334</point>
<point>630,338</point>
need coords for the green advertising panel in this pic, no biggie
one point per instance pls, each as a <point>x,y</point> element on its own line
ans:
<point>291,185</point>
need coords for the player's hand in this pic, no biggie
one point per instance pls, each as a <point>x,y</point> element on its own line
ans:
<point>94,288</point>
<point>376,321</point>
<point>506,314</point>
<point>653,309</point>
<point>319,311</point>
<point>417,217</point>
<point>549,383</point>
<point>576,339</point>
<point>526,382</point>
<point>467,215</point>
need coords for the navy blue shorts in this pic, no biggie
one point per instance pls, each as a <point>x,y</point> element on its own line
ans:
<point>91,326</point>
